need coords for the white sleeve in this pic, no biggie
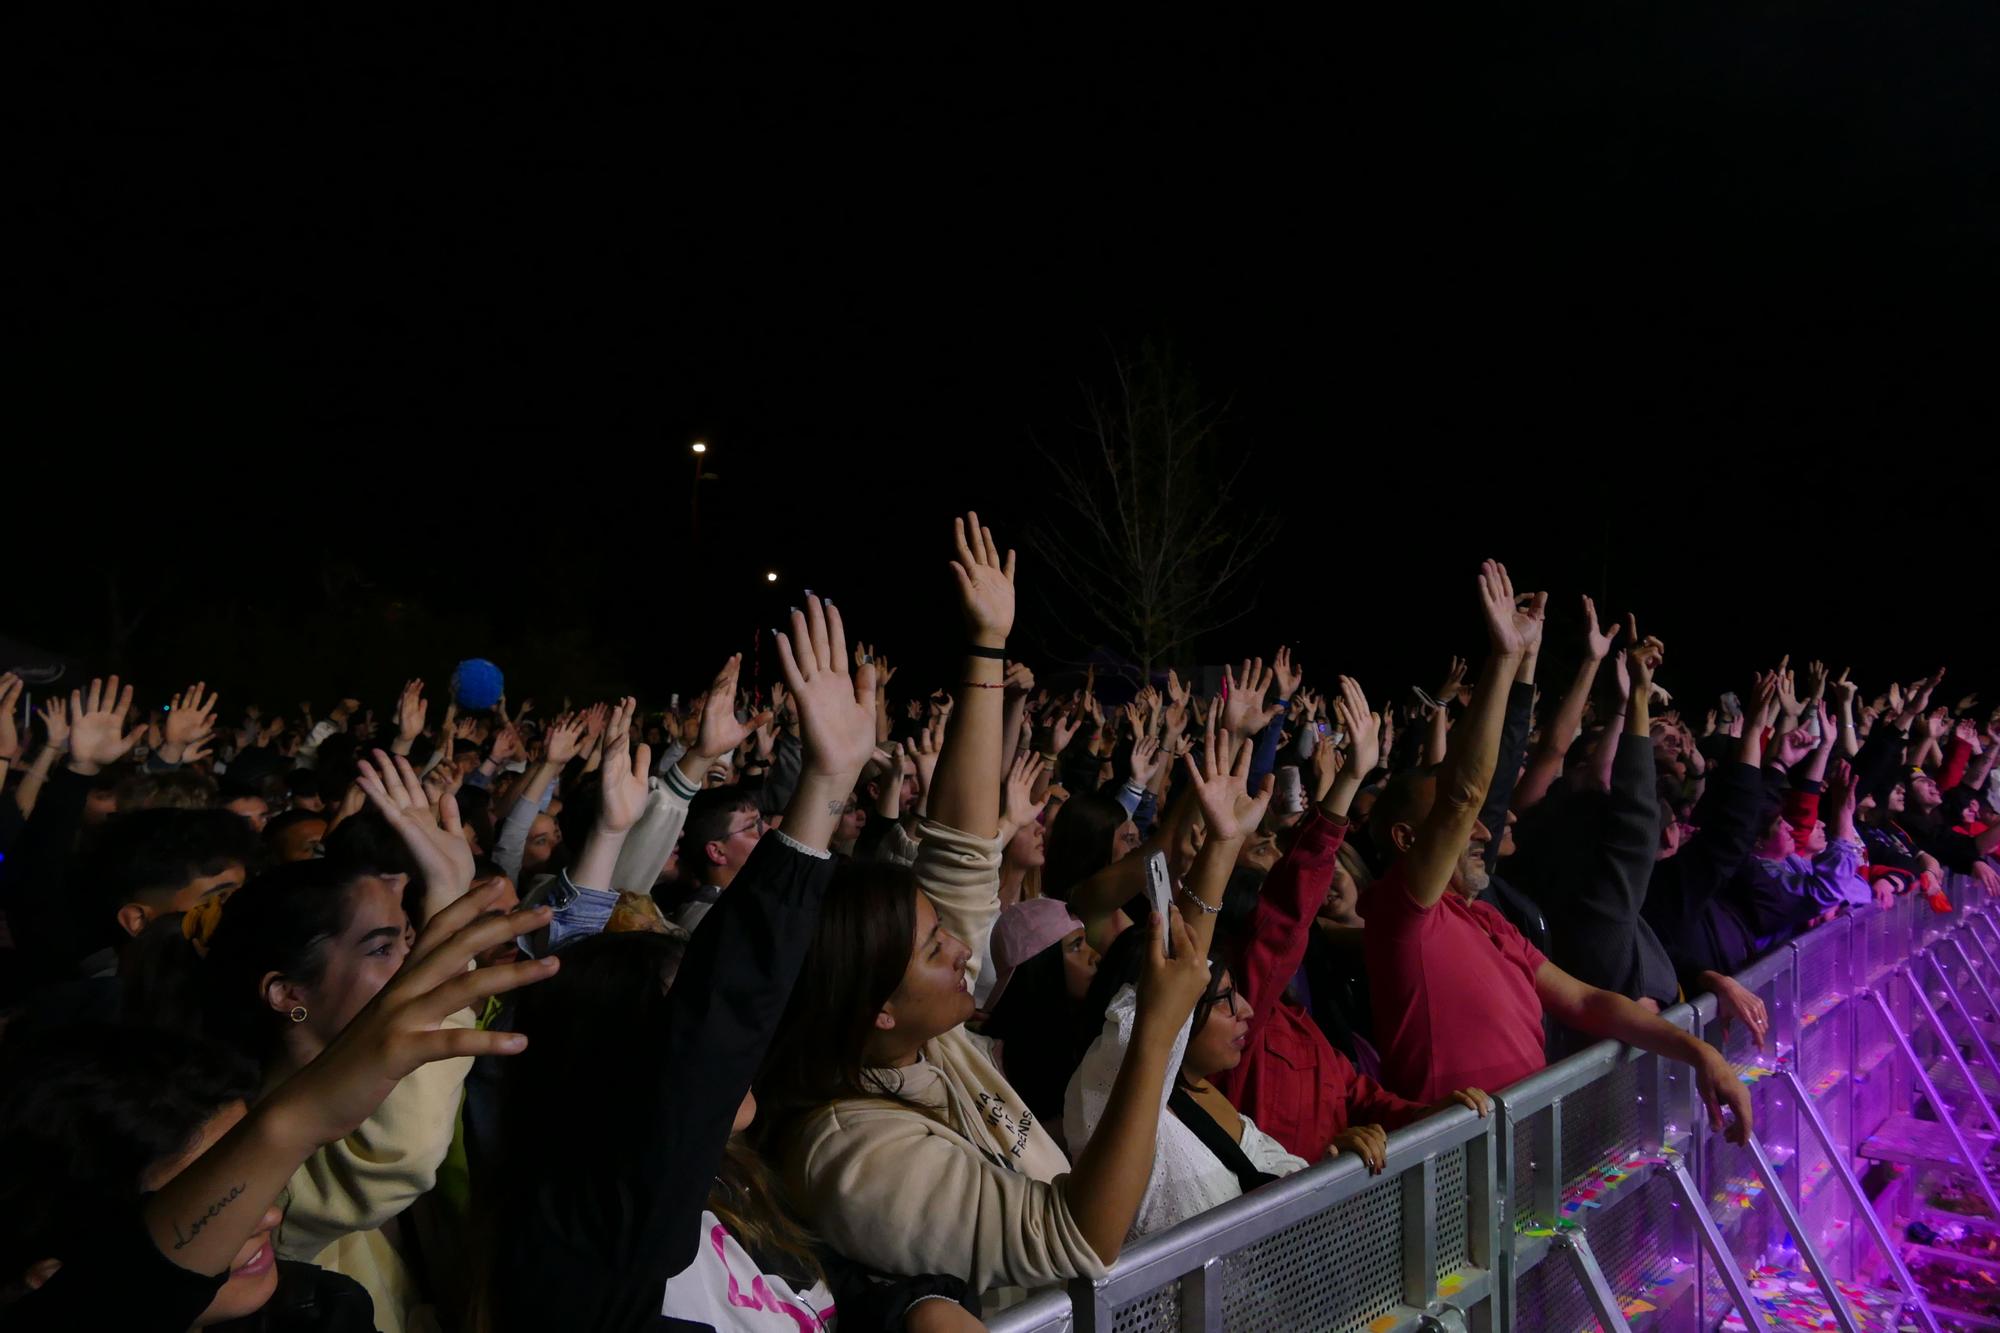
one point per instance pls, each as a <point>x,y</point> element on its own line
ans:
<point>1089,1091</point>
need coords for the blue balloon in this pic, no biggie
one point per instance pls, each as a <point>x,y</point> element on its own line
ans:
<point>477,684</point>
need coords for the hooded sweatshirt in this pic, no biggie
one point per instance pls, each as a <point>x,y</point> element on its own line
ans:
<point>971,1184</point>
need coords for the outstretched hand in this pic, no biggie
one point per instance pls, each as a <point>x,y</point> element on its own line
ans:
<point>1363,728</point>
<point>985,583</point>
<point>1596,642</point>
<point>97,734</point>
<point>403,1028</point>
<point>721,730</point>
<point>433,834</point>
<point>1513,621</point>
<point>1230,809</point>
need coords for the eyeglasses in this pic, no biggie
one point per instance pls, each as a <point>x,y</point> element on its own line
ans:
<point>1227,997</point>
<point>756,825</point>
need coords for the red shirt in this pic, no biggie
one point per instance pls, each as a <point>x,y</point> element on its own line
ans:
<point>1454,993</point>
<point>1291,1081</point>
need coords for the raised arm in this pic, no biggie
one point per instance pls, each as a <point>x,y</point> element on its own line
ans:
<point>965,790</point>
<point>1512,623</point>
<point>1545,765</point>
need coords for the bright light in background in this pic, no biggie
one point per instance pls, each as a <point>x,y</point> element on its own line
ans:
<point>700,448</point>
<point>771,577</point>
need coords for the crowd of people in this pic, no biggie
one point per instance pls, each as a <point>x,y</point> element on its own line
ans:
<point>850,1005</point>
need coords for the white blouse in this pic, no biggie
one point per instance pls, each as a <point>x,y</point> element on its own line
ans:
<point>1187,1178</point>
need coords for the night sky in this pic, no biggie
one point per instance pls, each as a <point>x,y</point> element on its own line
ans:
<point>374,347</point>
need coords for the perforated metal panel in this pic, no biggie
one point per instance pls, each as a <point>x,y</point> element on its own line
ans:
<point>1452,1205</point>
<point>1340,1269</point>
<point>1157,1311</point>
<point>1604,1121</point>
<point>1549,1298</point>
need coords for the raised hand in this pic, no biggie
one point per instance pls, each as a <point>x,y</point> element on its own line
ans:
<point>1789,702</point>
<point>97,734</point>
<point>191,718</point>
<point>1169,987</point>
<point>402,1027</point>
<point>1288,677</point>
<point>1063,728</point>
<point>1232,812</point>
<point>721,730</point>
<point>1763,711</point>
<point>1843,690</point>
<point>1018,806</point>
<point>1327,762</point>
<point>1147,761</point>
<point>411,712</point>
<point>985,583</point>
<point>10,733</point>
<point>563,741</point>
<point>1454,677</point>
<point>836,710</point>
<point>1513,621</point>
<point>435,838</point>
<point>55,721</point>
<point>924,748</point>
<point>1243,710</point>
<point>508,745</point>
<point>1816,679</point>
<point>622,797</point>
<point>1643,657</point>
<point>1019,679</point>
<point>1363,728</point>
<point>1793,746</point>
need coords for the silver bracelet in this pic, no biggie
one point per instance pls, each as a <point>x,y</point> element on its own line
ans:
<point>1192,897</point>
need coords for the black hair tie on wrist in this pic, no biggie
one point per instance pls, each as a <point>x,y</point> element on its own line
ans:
<point>996,654</point>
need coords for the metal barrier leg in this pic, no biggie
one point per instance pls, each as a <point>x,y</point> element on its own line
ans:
<point>1923,999</point>
<point>1842,1316</point>
<point>1718,1249</point>
<point>1602,1300</point>
<point>1966,1155</point>
<point>1843,1170</point>
<point>1201,1298</point>
<point>1992,1006</point>
<point>1964,1015</point>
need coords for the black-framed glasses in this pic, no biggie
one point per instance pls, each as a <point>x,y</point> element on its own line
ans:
<point>1227,997</point>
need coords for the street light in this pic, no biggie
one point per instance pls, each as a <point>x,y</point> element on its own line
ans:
<point>694,500</point>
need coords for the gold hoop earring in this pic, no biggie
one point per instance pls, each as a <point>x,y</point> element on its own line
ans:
<point>298,1014</point>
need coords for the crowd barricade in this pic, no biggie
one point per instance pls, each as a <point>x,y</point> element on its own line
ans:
<point>1598,1194</point>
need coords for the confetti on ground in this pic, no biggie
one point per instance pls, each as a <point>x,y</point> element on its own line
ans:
<point>1827,1082</point>
<point>1789,1298</point>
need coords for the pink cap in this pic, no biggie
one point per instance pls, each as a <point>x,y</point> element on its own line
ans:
<point>1024,930</point>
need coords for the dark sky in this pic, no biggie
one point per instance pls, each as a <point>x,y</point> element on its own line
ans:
<point>382,345</point>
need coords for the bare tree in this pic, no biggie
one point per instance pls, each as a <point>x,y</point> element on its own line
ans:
<point>1148,535</point>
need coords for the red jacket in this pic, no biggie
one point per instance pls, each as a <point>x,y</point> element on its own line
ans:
<point>1291,1081</point>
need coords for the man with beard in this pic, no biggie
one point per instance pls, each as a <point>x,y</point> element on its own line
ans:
<point>1458,994</point>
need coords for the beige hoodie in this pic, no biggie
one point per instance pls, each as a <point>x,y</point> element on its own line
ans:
<point>344,1193</point>
<point>979,1191</point>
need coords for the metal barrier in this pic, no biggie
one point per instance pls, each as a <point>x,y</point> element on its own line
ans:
<point>1597,1194</point>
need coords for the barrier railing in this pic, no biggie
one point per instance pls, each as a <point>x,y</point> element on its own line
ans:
<point>1597,1195</point>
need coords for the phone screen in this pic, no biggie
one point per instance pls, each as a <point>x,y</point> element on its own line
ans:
<point>1161,885</point>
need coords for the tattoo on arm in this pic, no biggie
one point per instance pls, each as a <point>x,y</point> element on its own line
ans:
<point>181,1242</point>
<point>836,808</point>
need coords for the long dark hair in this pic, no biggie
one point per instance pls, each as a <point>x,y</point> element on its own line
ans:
<point>279,922</point>
<point>1080,841</point>
<point>861,949</point>
<point>584,1025</point>
<point>1125,959</point>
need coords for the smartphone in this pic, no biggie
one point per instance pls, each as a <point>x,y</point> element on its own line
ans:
<point>1324,729</point>
<point>1160,884</point>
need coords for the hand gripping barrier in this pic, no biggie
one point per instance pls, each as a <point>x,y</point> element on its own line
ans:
<point>1597,1195</point>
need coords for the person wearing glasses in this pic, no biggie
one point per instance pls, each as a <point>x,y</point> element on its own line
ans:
<point>723,827</point>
